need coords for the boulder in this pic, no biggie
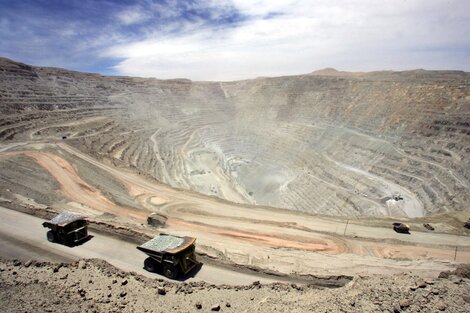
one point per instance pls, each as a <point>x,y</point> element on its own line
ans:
<point>441,306</point>
<point>82,264</point>
<point>421,283</point>
<point>404,303</point>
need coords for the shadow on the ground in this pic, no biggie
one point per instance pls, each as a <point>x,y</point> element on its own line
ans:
<point>192,273</point>
<point>79,243</point>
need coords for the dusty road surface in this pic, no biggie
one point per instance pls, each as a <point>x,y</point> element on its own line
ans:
<point>23,237</point>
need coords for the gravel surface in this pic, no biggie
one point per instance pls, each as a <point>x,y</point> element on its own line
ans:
<point>65,218</point>
<point>162,243</point>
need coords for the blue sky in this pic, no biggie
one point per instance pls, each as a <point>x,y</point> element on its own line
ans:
<point>236,39</point>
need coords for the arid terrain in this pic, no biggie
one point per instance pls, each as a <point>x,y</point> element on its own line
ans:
<point>329,142</point>
<point>95,286</point>
<point>298,175</point>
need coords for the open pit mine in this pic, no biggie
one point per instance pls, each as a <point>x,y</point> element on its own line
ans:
<point>301,176</point>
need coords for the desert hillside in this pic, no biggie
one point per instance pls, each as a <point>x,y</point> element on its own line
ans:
<point>329,142</point>
<point>96,286</point>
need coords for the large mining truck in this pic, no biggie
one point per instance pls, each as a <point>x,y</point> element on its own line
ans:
<point>67,228</point>
<point>401,228</point>
<point>173,255</point>
<point>467,224</point>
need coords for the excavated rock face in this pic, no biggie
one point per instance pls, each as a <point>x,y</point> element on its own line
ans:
<point>377,144</point>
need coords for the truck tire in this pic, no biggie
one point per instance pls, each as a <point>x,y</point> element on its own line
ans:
<point>150,265</point>
<point>170,271</point>
<point>51,236</point>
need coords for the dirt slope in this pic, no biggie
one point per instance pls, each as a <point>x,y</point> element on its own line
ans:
<point>96,286</point>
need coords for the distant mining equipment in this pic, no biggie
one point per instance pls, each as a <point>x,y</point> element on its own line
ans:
<point>156,220</point>
<point>401,228</point>
<point>467,224</point>
<point>428,226</point>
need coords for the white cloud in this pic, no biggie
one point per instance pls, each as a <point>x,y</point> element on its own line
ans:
<point>305,35</point>
<point>132,16</point>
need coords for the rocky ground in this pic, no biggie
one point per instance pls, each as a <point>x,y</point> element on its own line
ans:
<point>95,286</point>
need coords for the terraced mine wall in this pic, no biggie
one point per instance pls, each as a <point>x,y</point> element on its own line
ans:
<point>350,144</point>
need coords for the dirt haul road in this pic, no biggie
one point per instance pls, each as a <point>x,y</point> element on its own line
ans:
<point>23,237</point>
<point>269,238</point>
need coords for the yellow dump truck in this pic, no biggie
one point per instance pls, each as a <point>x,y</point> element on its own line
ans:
<point>401,228</point>
<point>67,228</point>
<point>173,255</point>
